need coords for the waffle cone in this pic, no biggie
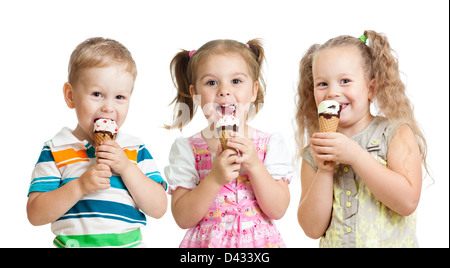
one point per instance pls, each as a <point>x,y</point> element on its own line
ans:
<point>328,125</point>
<point>224,135</point>
<point>103,136</point>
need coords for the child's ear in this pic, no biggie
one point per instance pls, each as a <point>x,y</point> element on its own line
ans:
<point>68,95</point>
<point>195,98</point>
<point>372,89</point>
<point>255,91</point>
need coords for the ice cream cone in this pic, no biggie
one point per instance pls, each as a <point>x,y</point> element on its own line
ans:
<point>226,125</point>
<point>104,130</point>
<point>224,135</point>
<point>329,113</point>
<point>328,125</point>
<point>103,136</point>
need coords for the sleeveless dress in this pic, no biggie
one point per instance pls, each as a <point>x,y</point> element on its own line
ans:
<point>234,219</point>
<point>359,219</point>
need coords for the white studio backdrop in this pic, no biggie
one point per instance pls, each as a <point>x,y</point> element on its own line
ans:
<point>37,38</point>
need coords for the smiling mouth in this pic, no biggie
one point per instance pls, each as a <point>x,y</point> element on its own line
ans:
<point>226,110</point>
<point>343,105</point>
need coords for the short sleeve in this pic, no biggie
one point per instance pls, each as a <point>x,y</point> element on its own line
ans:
<point>181,171</point>
<point>277,160</point>
<point>45,176</point>
<point>148,166</point>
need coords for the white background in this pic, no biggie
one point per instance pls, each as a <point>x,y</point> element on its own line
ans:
<point>37,38</point>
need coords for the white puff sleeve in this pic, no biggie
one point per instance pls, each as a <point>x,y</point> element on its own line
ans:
<point>181,171</point>
<point>278,159</point>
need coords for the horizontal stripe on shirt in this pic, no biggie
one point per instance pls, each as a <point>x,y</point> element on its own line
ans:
<point>123,240</point>
<point>104,209</point>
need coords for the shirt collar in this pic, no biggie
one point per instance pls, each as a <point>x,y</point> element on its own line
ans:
<point>65,137</point>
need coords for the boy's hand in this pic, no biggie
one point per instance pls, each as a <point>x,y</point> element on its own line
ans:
<point>224,167</point>
<point>95,178</point>
<point>110,153</point>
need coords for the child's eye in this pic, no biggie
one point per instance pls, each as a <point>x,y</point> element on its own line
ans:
<point>322,84</point>
<point>236,81</point>
<point>211,83</point>
<point>120,97</point>
<point>345,81</point>
<point>96,94</point>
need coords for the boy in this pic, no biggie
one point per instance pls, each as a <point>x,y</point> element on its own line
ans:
<point>92,196</point>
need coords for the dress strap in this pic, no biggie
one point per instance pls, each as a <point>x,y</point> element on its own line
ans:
<point>375,142</point>
<point>376,138</point>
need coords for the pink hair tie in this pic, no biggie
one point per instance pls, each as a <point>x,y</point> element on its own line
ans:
<point>247,45</point>
<point>191,53</point>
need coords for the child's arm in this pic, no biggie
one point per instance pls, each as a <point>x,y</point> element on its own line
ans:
<point>273,196</point>
<point>47,207</point>
<point>190,206</point>
<point>316,201</point>
<point>398,186</point>
<point>148,194</point>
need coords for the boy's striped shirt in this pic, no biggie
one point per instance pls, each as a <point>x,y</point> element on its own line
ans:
<point>106,218</point>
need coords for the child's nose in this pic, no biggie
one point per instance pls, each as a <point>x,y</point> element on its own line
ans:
<point>107,107</point>
<point>223,94</point>
<point>224,91</point>
<point>333,92</point>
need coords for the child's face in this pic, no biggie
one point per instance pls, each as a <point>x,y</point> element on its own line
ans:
<point>338,75</point>
<point>100,93</point>
<point>224,81</point>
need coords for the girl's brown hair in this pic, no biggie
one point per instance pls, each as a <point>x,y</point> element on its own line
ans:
<point>183,69</point>
<point>379,63</point>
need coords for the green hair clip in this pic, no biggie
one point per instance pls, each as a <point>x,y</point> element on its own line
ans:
<point>363,38</point>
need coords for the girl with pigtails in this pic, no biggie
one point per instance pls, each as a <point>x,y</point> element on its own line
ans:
<point>226,192</point>
<point>360,185</point>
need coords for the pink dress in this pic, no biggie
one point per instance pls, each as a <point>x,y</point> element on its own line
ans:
<point>235,218</point>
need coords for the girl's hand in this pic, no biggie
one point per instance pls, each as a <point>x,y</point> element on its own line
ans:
<point>225,169</point>
<point>111,154</point>
<point>330,147</point>
<point>248,154</point>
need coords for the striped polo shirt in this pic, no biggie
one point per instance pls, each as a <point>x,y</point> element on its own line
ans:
<point>106,218</point>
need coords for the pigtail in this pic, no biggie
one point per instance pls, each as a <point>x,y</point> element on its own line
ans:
<point>391,91</point>
<point>183,100</point>
<point>306,116</point>
<point>256,48</point>
<point>388,82</point>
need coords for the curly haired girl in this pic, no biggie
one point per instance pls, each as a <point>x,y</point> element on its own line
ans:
<point>360,185</point>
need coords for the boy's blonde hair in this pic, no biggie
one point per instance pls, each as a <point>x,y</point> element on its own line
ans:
<point>379,63</point>
<point>184,65</point>
<point>99,52</point>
